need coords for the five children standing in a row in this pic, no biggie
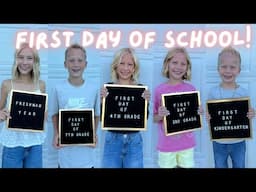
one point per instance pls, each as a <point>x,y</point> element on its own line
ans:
<point>122,149</point>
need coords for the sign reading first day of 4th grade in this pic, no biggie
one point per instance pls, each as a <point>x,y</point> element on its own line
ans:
<point>124,108</point>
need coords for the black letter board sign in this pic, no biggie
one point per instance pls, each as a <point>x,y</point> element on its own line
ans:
<point>183,109</point>
<point>124,108</point>
<point>228,118</point>
<point>76,127</point>
<point>27,110</point>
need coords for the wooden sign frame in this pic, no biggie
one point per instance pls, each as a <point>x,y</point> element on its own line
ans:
<point>77,127</point>
<point>27,110</point>
<point>184,116</point>
<point>228,118</point>
<point>124,108</point>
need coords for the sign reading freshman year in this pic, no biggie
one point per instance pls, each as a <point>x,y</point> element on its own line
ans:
<point>183,109</point>
<point>124,108</point>
<point>228,118</point>
<point>27,110</point>
<point>76,127</point>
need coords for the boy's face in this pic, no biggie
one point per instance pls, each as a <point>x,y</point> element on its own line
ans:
<point>229,68</point>
<point>75,63</point>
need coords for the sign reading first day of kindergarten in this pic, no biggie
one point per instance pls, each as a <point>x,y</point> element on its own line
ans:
<point>229,118</point>
<point>183,109</point>
<point>27,110</point>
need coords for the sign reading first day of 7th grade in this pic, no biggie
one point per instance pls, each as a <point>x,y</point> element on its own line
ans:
<point>76,127</point>
<point>27,110</point>
<point>124,108</point>
<point>183,109</point>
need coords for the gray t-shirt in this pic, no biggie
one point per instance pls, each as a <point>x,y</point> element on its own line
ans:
<point>67,96</point>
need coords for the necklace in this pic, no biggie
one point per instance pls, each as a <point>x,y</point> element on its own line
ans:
<point>221,88</point>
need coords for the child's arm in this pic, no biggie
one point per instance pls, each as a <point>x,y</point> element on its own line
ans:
<point>103,93</point>
<point>4,113</point>
<point>42,89</point>
<point>96,121</point>
<point>55,121</point>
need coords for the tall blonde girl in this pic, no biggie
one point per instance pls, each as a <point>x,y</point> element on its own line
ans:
<point>22,149</point>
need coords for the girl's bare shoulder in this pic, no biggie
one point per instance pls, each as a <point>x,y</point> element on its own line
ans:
<point>7,83</point>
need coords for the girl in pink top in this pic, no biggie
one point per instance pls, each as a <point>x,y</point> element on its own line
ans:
<point>174,150</point>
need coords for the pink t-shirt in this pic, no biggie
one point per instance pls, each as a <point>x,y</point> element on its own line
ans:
<point>175,142</point>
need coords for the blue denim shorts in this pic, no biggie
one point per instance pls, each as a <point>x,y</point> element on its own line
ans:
<point>123,150</point>
<point>22,157</point>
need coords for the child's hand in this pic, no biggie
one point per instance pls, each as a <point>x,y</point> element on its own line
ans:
<point>251,113</point>
<point>56,141</point>
<point>200,110</point>
<point>208,117</point>
<point>4,114</point>
<point>146,95</point>
<point>162,111</point>
<point>103,92</point>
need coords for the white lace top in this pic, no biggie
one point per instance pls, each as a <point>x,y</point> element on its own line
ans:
<point>14,138</point>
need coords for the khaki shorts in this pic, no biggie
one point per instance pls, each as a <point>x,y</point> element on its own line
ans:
<point>183,159</point>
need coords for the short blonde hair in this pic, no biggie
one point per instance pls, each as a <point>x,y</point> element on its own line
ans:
<point>231,51</point>
<point>35,73</point>
<point>117,59</point>
<point>170,55</point>
<point>75,46</point>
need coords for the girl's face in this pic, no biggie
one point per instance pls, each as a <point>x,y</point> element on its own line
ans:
<point>25,61</point>
<point>229,68</point>
<point>177,66</point>
<point>126,67</point>
<point>75,63</point>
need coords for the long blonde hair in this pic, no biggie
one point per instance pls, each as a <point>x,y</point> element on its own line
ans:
<point>170,55</point>
<point>35,73</point>
<point>117,60</point>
